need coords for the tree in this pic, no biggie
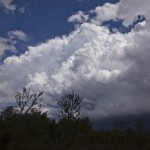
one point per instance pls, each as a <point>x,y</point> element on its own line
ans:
<point>9,111</point>
<point>69,105</point>
<point>28,101</point>
<point>120,125</point>
<point>139,124</point>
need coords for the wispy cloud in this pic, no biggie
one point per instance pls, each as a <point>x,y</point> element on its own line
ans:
<point>6,44</point>
<point>9,42</point>
<point>17,34</point>
<point>10,6</point>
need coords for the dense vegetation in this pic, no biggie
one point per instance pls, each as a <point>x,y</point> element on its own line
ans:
<point>27,127</point>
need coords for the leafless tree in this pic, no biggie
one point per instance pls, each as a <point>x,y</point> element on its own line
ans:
<point>69,105</point>
<point>28,101</point>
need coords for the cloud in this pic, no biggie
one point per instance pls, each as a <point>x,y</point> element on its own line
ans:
<point>78,17</point>
<point>111,70</point>
<point>6,44</point>
<point>17,34</point>
<point>8,5</point>
<point>119,11</point>
<point>105,13</point>
<point>9,43</point>
<point>122,10</point>
<point>99,15</point>
<point>75,63</point>
<point>130,15</point>
<point>22,9</point>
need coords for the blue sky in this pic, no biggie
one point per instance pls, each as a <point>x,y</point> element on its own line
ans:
<point>43,19</point>
<point>98,48</point>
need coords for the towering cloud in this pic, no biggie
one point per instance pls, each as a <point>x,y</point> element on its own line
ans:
<point>111,70</point>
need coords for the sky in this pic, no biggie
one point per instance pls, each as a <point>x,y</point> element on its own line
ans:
<point>98,48</point>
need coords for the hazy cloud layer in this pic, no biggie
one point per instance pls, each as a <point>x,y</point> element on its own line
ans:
<point>111,70</point>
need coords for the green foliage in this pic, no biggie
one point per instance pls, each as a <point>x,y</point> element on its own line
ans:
<point>120,125</point>
<point>74,131</point>
<point>34,130</point>
<point>26,131</point>
<point>9,111</point>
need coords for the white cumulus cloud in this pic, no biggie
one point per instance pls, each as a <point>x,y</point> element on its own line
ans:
<point>111,70</point>
<point>105,13</point>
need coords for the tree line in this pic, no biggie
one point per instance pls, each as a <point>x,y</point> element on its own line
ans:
<point>26,126</point>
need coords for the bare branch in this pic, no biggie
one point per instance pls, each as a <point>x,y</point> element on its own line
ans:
<point>28,101</point>
<point>69,105</point>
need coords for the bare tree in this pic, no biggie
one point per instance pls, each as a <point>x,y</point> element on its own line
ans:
<point>28,101</point>
<point>69,105</point>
